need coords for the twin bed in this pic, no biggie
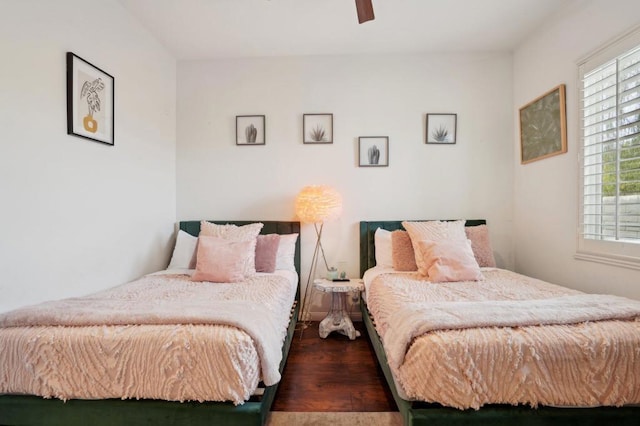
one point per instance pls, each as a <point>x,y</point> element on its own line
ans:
<point>487,351</point>
<point>579,365</point>
<point>161,350</point>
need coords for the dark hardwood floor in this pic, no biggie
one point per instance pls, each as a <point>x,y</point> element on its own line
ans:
<point>332,374</point>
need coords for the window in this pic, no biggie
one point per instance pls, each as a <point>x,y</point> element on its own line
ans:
<point>610,155</point>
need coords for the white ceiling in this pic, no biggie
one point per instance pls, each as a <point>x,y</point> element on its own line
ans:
<point>208,29</point>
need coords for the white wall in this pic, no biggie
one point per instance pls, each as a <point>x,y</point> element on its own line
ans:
<point>76,215</point>
<point>546,191</point>
<point>369,96</point>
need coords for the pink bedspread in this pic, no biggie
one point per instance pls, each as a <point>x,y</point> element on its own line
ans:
<point>160,337</point>
<point>576,364</point>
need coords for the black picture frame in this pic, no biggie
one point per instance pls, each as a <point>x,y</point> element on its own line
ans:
<point>317,128</point>
<point>90,101</point>
<point>373,151</point>
<point>441,128</point>
<point>250,130</point>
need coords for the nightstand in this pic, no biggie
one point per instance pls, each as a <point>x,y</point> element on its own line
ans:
<point>338,318</point>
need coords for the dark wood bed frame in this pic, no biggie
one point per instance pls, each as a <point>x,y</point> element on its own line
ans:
<point>35,410</point>
<point>431,414</point>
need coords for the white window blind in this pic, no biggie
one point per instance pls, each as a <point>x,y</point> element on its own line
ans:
<point>610,154</point>
<point>611,166</point>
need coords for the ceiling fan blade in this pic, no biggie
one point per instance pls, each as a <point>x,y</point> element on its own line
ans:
<point>365,11</point>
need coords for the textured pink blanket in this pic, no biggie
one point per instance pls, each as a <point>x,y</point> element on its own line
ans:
<point>419,318</point>
<point>162,299</point>
<point>506,357</point>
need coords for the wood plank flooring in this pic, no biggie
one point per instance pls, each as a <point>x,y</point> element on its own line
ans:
<point>332,374</point>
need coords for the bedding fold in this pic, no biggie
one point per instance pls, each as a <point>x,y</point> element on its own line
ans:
<point>417,319</point>
<point>247,316</point>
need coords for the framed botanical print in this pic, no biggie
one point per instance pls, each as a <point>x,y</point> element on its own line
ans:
<point>441,128</point>
<point>373,151</point>
<point>250,130</point>
<point>543,126</point>
<point>317,128</point>
<point>90,101</point>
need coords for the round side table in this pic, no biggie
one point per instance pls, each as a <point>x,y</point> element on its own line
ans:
<point>338,317</point>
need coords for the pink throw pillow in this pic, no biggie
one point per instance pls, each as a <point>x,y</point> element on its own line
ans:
<point>267,252</point>
<point>433,230</point>
<point>231,232</point>
<point>481,245</point>
<point>449,260</point>
<point>402,253</point>
<point>220,260</point>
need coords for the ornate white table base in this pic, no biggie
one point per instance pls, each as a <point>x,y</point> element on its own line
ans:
<point>338,317</point>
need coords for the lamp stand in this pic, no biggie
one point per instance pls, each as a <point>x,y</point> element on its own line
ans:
<point>312,271</point>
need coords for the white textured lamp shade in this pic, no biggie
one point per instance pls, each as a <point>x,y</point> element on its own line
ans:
<point>318,203</point>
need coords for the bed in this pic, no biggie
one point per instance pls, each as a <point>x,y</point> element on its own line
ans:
<point>187,407</point>
<point>438,409</point>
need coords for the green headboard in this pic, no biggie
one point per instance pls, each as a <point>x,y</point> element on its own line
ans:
<point>368,230</point>
<point>270,227</point>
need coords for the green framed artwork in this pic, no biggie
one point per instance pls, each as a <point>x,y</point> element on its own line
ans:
<point>543,126</point>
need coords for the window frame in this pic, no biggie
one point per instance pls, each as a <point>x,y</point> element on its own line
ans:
<point>616,253</point>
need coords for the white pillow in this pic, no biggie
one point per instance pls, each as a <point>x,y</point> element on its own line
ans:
<point>382,241</point>
<point>184,253</point>
<point>286,252</point>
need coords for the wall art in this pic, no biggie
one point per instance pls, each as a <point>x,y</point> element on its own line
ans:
<point>250,130</point>
<point>441,128</point>
<point>317,128</point>
<point>90,101</point>
<point>543,126</point>
<point>373,151</point>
